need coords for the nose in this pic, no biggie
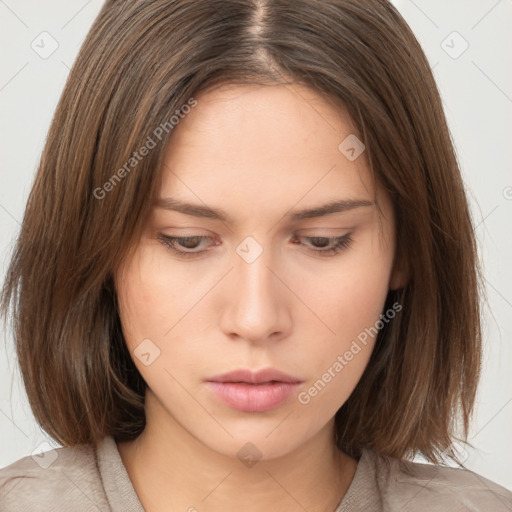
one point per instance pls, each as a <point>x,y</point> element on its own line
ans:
<point>256,307</point>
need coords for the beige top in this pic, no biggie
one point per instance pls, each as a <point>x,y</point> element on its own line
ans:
<point>83,479</point>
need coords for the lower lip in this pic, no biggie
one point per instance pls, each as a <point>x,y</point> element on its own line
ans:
<point>253,397</point>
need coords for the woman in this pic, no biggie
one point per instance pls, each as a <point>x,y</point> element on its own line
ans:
<point>246,276</point>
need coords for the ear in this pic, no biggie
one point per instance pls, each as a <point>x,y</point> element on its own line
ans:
<point>398,279</point>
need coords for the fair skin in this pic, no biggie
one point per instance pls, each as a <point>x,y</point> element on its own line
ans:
<point>258,153</point>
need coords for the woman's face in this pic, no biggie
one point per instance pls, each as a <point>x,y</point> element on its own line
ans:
<point>259,288</point>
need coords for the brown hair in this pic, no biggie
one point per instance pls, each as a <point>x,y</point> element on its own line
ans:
<point>141,62</point>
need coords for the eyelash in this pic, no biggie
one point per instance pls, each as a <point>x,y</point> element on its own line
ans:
<point>340,243</point>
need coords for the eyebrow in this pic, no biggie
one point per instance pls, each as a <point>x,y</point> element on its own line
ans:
<point>198,210</point>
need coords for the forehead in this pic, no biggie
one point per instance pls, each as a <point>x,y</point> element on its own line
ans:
<point>276,117</point>
<point>259,146</point>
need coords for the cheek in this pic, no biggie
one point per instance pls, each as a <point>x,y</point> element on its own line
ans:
<point>144,294</point>
<point>349,301</point>
<point>351,308</point>
<point>153,305</point>
<point>351,298</point>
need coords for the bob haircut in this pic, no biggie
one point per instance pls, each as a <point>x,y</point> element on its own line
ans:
<point>140,66</point>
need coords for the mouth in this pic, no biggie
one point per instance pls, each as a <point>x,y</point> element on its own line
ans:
<point>264,376</point>
<point>251,391</point>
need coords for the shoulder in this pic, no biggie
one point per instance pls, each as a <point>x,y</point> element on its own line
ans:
<point>411,486</point>
<point>64,478</point>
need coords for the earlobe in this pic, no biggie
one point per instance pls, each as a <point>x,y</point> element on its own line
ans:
<point>398,280</point>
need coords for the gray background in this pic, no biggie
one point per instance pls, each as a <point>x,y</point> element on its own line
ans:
<point>476,86</point>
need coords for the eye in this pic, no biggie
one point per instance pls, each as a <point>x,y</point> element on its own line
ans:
<point>329,246</point>
<point>186,246</point>
<point>177,244</point>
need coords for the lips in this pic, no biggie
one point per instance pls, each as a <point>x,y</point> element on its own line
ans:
<point>251,391</point>
<point>256,377</point>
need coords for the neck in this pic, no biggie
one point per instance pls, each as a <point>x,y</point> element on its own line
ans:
<point>172,470</point>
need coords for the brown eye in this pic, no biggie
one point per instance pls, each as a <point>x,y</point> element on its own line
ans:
<point>177,244</point>
<point>328,246</point>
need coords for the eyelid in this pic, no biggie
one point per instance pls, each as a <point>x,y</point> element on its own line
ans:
<point>336,244</point>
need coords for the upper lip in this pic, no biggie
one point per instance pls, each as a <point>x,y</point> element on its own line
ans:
<point>255,377</point>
